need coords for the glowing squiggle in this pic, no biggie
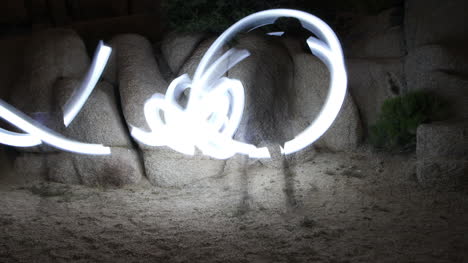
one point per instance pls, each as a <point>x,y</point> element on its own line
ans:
<point>215,107</point>
<point>36,133</point>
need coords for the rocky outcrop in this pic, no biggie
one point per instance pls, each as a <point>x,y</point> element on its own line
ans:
<point>139,78</point>
<point>311,84</point>
<point>58,61</point>
<point>371,82</point>
<point>377,36</point>
<point>178,47</point>
<point>433,21</point>
<point>284,87</point>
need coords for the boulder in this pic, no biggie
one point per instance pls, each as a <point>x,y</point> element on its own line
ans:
<point>119,169</point>
<point>441,69</point>
<point>371,82</point>
<point>442,153</point>
<point>267,77</point>
<point>51,54</point>
<point>311,84</point>
<point>433,21</point>
<point>99,121</point>
<point>178,47</point>
<point>147,25</point>
<point>430,58</point>
<point>138,76</point>
<point>168,168</point>
<point>378,36</point>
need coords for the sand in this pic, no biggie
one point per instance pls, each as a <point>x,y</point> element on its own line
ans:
<point>338,207</point>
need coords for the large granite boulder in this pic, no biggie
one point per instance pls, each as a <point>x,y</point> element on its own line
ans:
<point>441,69</point>
<point>177,48</point>
<point>311,84</point>
<point>433,21</point>
<point>50,55</point>
<point>371,82</point>
<point>58,61</point>
<point>442,152</point>
<point>139,78</point>
<point>376,36</point>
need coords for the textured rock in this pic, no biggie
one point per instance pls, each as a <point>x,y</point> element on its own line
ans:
<point>311,86</point>
<point>139,76</point>
<point>442,152</point>
<point>433,21</point>
<point>116,170</point>
<point>51,54</point>
<point>430,58</point>
<point>266,76</point>
<point>178,47</point>
<point>99,121</point>
<point>379,36</point>
<point>30,167</point>
<point>167,168</point>
<point>371,82</point>
<point>441,69</point>
<point>443,139</point>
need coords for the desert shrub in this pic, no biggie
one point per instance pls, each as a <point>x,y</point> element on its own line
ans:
<point>395,128</point>
<point>211,15</point>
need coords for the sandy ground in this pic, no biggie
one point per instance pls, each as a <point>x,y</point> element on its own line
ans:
<point>359,207</point>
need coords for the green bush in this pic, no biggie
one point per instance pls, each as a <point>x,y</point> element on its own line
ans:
<point>217,15</point>
<point>395,129</point>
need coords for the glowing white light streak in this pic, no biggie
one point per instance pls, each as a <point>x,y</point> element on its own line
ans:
<point>78,99</point>
<point>215,105</point>
<point>36,133</point>
<point>25,123</point>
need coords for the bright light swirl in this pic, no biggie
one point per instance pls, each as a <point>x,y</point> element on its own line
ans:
<point>216,103</point>
<point>80,96</point>
<point>36,133</point>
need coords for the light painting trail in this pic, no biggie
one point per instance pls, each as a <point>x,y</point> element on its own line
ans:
<point>36,133</point>
<point>215,106</point>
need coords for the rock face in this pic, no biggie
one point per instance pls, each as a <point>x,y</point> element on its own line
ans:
<point>58,60</point>
<point>311,84</point>
<point>442,151</point>
<point>177,48</point>
<point>435,22</point>
<point>267,77</point>
<point>378,36</point>
<point>375,51</point>
<point>51,55</point>
<point>371,82</point>
<point>284,86</point>
<point>139,78</point>
<point>119,169</point>
<point>441,69</point>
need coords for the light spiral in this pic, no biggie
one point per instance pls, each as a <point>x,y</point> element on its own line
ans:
<point>215,107</point>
